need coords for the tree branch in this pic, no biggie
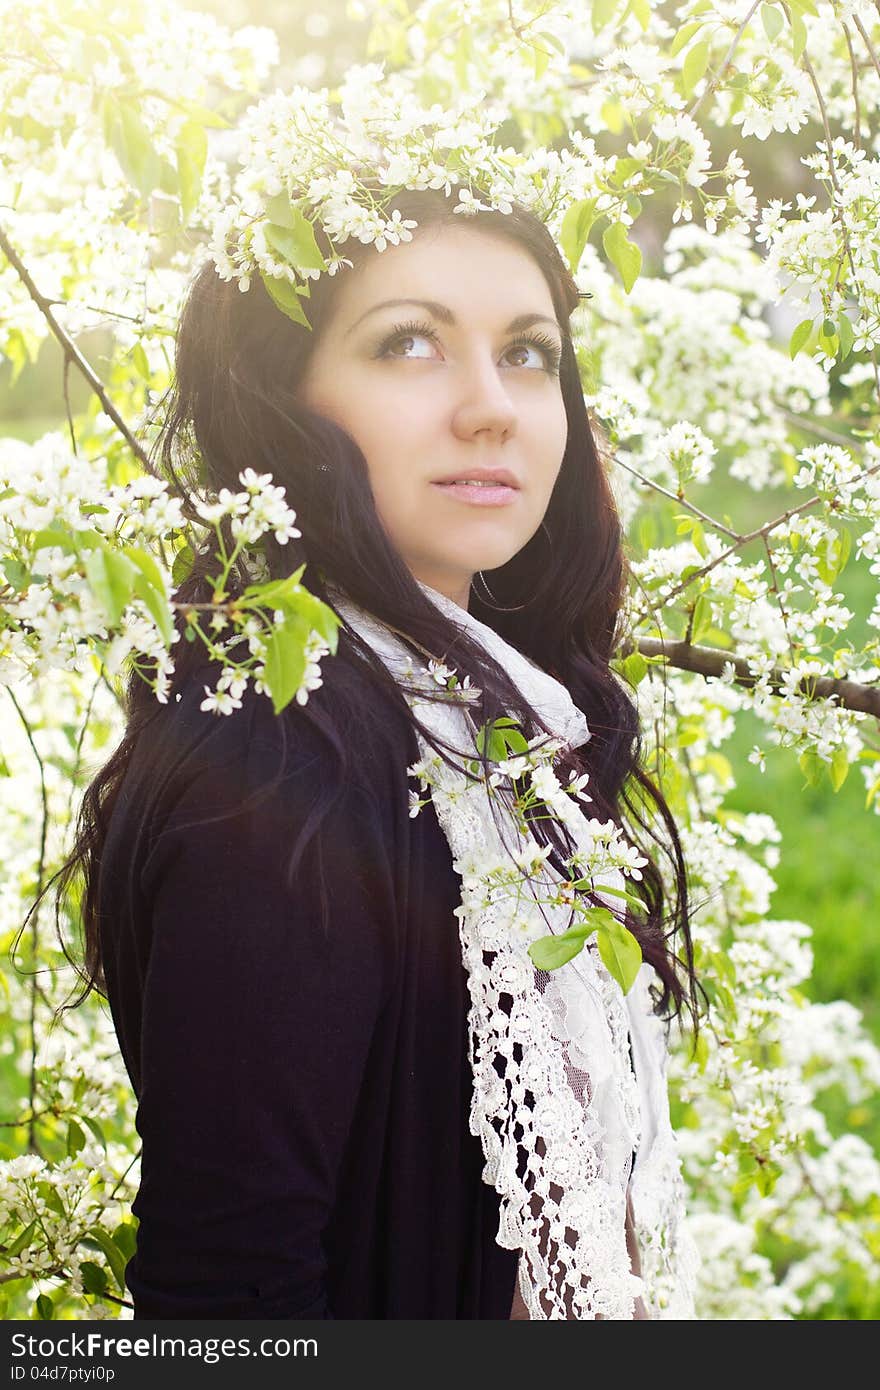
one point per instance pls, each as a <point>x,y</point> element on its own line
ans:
<point>868,44</point>
<point>757,534</point>
<point>71,352</point>
<point>677,497</point>
<point>837,201</point>
<point>709,661</point>
<point>853,67</point>
<point>710,86</point>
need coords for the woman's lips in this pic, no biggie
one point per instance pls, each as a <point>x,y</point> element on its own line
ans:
<point>496,496</point>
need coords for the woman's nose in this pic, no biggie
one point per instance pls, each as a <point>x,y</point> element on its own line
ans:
<point>483,401</point>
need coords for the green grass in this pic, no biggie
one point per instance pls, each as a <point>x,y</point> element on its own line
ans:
<point>827,874</point>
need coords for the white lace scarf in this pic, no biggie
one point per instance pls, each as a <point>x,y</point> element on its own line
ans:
<point>561,1162</point>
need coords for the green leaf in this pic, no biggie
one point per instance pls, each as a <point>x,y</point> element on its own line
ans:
<point>635,668</point>
<point>115,1258</point>
<point>551,952</point>
<point>462,56</point>
<point>601,11</point>
<point>622,253</point>
<point>812,766</point>
<point>94,1278</point>
<point>64,540</point>
<point>833,560</point>
<point>766,1177</point>
<point>156,607</point>
<point>20,1242</point>
<point>275,593</point>
<point>700,1053</point>
<point>112,577</point>
<point>183,563</point>
<point>45,1307</point>
<point>684,35</point>
<point>642,11</point>
<point>125,1237</point>
<point>494,740</point>
<point>554,41</point>
<point>772,21</point>
<point>130,141</point>
<point>285,659</point>
<point>846,335</point>
<point>702,619</point>
<point>141,364</point>
<point>280,212</point>
<point>20,348</point>
<point>286,297</point>
<point>52,1197</point>
<point>319,616</point>
<point>540,59</point>
<point>607,891</point>
<point>799,337</point>
<point>838,768</point>
<point>148,585</point>
<point>620,952</point>
<point>575,230</point>
<point>96,1130</point>
<point>625,167</point>
<point>612,114</point>
<point>296,244</point>
<point>191,150</point>
<point>695,63</point>
<point>17,574</point>
<point>203,114</point>
<point>798,33</point>
<point>76,1140</point>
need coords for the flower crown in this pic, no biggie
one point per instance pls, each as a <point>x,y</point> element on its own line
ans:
<point>333,162</point>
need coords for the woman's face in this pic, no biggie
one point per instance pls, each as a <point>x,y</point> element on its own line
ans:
<point>440,391</point>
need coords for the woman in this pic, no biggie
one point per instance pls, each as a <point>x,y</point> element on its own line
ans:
<point>275,931</point>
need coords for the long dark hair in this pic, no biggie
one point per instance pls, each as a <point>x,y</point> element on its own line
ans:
<point>233,403</point>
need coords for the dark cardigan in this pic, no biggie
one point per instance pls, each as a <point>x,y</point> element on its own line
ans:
<point>303,1096</point>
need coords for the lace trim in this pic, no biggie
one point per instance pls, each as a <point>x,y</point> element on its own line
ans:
<point>555,1101</point>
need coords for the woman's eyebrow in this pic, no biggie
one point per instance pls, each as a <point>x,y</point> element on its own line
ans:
<point>445,315</point>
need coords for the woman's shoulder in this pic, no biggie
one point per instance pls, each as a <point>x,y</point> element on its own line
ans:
<point>350,723</point>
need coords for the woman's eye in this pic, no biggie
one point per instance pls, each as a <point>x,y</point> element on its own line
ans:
<point>543,358</point>
<point>540,358</point>
<point>403,338</point>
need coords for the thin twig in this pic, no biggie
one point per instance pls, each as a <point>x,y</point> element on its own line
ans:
<point>710,86</point>
<point>855,83</point>
<point>755,535</point>
<point>675,497</point>
<point>65,381</point>
<point>811,427</point>
<point>69,348</point>
<point>837,202</point>
<point>774,589</point>
<point>867,41</point>
<point>41,864</point>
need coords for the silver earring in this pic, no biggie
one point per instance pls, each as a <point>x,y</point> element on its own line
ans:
<point>491,602</point>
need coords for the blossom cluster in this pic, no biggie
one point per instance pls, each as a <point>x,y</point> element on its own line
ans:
<point>82,573</point>
<point>525,784</point>
<point>311,162</point>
